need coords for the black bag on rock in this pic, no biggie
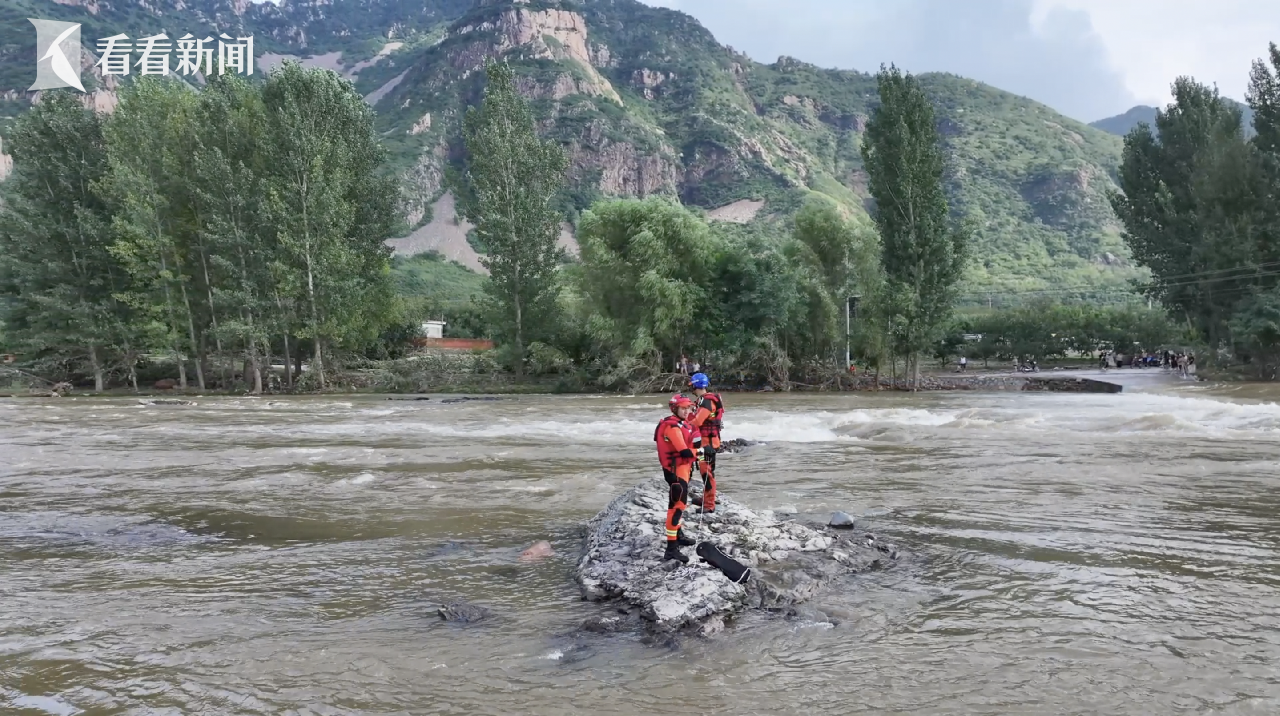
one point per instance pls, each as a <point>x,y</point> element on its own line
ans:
<point>736,571</point>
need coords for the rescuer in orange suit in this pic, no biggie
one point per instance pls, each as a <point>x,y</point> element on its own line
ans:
<point>708,418</point>
<point>677,440</point>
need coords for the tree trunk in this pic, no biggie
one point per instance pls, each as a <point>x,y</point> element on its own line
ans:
<point>317,355</point>
<point>99,377</point>
<point>256,366</point>
<point>191,333</point>
<point>519,337</point>
<point>288,364</point>
<point>264,369</point>
<point>173,326</point>
<point>298,359</point>
<point>213,318</point>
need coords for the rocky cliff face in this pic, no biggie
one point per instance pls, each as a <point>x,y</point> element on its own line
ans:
<point>550,34</point>
<point>622,169</point>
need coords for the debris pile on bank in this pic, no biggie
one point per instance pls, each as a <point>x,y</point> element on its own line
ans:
<point>790,561</point>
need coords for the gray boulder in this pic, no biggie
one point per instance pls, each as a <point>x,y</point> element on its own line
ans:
<point>463,613</point>
<point>735,445</point>
<point>841,521</point>
<point>791,562</point>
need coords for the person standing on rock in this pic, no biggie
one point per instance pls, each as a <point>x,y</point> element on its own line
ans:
<point>708,419</point>
<point>675,439</point>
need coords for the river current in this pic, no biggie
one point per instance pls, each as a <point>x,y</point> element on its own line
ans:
<point>1064,554</point>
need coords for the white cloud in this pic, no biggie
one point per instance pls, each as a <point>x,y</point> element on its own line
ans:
<point>1152,42</point>
<point>1059,60</point>
<point>1086,58</point>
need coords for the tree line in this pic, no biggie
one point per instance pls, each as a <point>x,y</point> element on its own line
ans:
<point>655,281</point>
<point>1197,202</point>
<point>1045,329</point>
<point>243,225</point>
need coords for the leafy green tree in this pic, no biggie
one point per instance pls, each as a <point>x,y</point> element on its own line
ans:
<point>512,183</point>
<point>328,207</point>
<point>58,278</point>
<point>1192,206</point>
<point>226,174</point>
<point>923,254</point>
<point>646,271</point>
<point>837,258</point>
<point>150,139</point>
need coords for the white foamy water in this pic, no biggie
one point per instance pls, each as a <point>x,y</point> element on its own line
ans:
<point>1068,554</point>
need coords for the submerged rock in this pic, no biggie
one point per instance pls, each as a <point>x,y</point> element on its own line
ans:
<point>463,613</point>
<point>166,401</point>
<point>790,561</point>
<point>735,445</point>
<point>602,625</point>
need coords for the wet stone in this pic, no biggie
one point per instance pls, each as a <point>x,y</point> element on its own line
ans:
<point>625,543</point>
<point>463,613</point>
<point>841,521</point>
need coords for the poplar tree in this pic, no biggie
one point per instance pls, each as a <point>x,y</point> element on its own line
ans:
<point>327,207</point>
<point>923,252</point>
<point>510,186</point>
<point>58,279</point>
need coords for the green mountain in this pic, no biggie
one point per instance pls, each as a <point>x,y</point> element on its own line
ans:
<point>1121,124</point>
<point>646,101</point>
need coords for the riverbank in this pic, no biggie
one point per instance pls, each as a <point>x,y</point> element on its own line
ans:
<point>392,378</point>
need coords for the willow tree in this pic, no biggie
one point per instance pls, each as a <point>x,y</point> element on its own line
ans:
<point>837,258</point>
<point>645,276</point>
<point>923,251</point>
<point>511,184</point>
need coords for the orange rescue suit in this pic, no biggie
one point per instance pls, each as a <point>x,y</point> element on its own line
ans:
<point>673,436</point>
<point>708,420</point>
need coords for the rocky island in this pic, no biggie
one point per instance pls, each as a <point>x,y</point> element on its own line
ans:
<point>790,561</point>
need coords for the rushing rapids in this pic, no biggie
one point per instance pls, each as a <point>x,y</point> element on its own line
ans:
<point>1067,553</point>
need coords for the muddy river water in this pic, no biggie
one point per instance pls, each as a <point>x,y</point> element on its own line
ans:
<point>1066,554</point>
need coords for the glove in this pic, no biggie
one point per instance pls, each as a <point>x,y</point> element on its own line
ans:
<point>686,453</point>
<point>708,452</point>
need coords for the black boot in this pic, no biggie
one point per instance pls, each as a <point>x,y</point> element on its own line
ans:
<point>705,511</point>
<point>684,541</point>
<point>673,552</point>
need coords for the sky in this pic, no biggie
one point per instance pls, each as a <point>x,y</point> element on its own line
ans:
<point>1088,59</point>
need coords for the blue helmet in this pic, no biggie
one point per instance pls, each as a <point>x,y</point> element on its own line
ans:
<point>699,380</point>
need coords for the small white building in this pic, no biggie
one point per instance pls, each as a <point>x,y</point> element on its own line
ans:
<point>433,329</point>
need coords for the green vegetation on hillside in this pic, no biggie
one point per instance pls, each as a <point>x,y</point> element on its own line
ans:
<point>696,120</point>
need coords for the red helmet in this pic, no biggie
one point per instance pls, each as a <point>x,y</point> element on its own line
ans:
<point>679,401</point>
